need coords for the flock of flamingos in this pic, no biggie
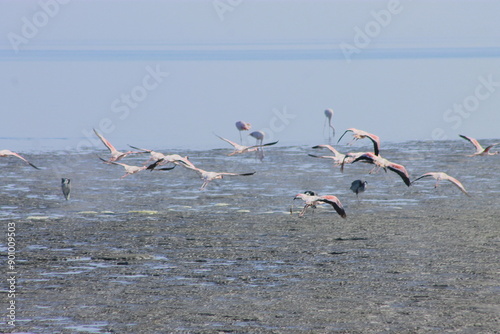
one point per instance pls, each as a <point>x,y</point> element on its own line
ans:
<point>310,198</point>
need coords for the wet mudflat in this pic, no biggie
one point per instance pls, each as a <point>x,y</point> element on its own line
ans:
<point>151,253</point>
<point>408,271</point>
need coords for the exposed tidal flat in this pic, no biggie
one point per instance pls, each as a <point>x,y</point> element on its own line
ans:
<point>151,253</point>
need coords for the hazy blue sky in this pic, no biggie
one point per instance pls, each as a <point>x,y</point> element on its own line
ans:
<point>168,74</point>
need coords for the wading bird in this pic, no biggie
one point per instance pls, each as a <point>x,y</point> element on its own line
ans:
<point>210,176</point>
<point>329,115</point>
<point>259,136</point>
<point>115,154</point>
<point>66,188</point>
<point>380,162</point>
<point>6,153</point>
<point>130,169</point>
<point>312,199</point>
<point>243,126</point>
<point>479,149</point>
<point>238,149</point>
<point>360,134</point>
<point>358,186</point>
<point>443,176</point>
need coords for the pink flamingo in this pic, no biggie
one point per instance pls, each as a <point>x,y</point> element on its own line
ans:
<point>115,154</point>
<point>243,126</point>
<point>312,199</point>
<point>238,149</point>
<point>443,176</point>
<point>350,157</point>
<point>155,156</point>
<point>6,153</point>
<point>171,158</point>
<point>380,162</point>
<point>164,159</point>
<point>360,134</point>
<point>329,115</point>
<point>479,149</point>
<point>259,136</point>
<point>129,169</point>
<point>207,177</point>
<point>337,157</point>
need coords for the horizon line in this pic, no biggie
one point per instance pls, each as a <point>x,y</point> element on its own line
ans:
<point>245,54</point>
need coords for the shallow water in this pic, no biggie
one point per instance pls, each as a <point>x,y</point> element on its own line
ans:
<point>153,253</point>
<point>98,191</point>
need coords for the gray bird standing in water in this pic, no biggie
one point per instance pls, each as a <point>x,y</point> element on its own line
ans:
<point>65,185</point>
<point>358,186</point>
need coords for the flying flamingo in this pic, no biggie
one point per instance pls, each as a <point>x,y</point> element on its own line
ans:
<point>155,156</point>
<point>6,153</point>
<point>129,169</point>
<point>330,148</point>
<point>242,126</point>
<point>443,176</point>
<point>350,157</point>
<point>358,186</point>
<point>164,159</point>
<point>479,149</point>
<point>171,158</point>
<point>380,162</point>
<point>238,149</point>
<point>360,134</point>
<point>115,154</point>
<point>210,176</point>
<point>337,158</point>
<point>328,115</point>
<point>312,199</point>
